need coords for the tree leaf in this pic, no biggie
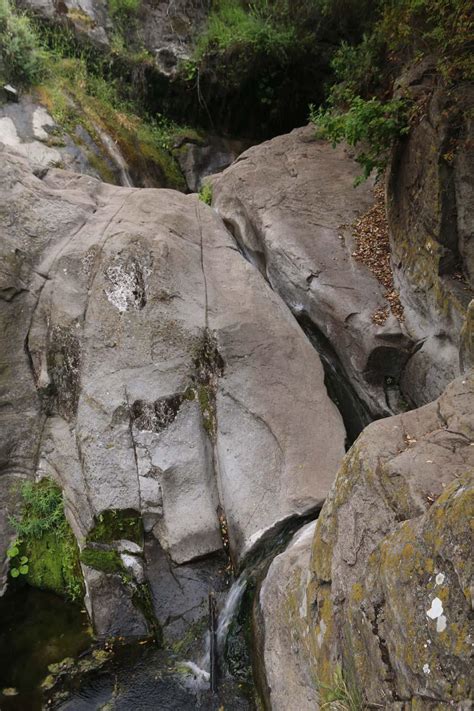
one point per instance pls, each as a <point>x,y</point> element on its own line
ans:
<point>24,569</point>
<point>23,560</point>
<point>12,552</point>
<point>14,572</point>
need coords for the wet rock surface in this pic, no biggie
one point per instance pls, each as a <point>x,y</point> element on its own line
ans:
<point>147,384</point>
<point>28,128</point>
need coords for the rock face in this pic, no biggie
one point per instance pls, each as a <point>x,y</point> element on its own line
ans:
<point>166,29</point>
<point>286,635</point>
<point>430,210</point>
<point>207,156</point>
<point>390,598</point>
<point>294,223</point>
<point>148,383</point>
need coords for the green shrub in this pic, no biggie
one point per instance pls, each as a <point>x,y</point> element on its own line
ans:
<point>205,193</point>
<point>21,57</point>
<point>371,124</point>
<point>443,28</point>
<point>46,541</point>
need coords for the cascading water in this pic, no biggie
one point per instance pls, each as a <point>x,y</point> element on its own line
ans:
<point>116,157</point>
<point>229,611</point>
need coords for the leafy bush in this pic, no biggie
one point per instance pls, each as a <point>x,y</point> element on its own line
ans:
<point>21,58</point>
<point>372,123</point>
<point>444,28</point>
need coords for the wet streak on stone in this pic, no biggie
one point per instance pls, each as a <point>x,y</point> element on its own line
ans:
<point>354,412</point>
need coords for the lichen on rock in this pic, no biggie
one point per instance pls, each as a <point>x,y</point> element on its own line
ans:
<point>392,558</point>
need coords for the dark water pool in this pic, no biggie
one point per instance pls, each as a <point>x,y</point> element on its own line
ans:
<point>37,628</point>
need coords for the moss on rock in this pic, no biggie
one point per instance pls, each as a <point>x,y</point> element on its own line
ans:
<point>115,525</point>
<point>108,561</point>
<point>46,539</point>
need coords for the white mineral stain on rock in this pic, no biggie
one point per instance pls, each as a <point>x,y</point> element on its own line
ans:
<point>436,609</point>
<point>440,579</point>
<point>426,668</point>
<point>441,623</point>
<point>436,613</point>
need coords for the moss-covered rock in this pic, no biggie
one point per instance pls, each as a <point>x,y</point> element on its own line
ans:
<point>108,561</point>
<point>47,541</point>
<point>429,211</point>
<point>117,524</point>
<point>390,593</point>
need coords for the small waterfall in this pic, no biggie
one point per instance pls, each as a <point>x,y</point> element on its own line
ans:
<point>229,611</point>
<point>116,157</point>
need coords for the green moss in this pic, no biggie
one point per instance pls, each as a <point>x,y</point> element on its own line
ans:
<point>47,540</point>
<point>206,403</point>
<point>143,601</point>
<point>99,163</point>
<point>115,525</point>
<point>108,561</point>
<point>77,96</point>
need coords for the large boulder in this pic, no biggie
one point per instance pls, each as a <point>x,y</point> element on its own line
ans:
<point>151,371</point>
<point>390,600</point>
<point>430,209</point>
<point>290,204</point>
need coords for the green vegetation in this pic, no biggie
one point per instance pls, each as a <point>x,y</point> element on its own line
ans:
<point>339,696</point>
<point>18,563</point>
<point>255,25</point>
<point>205,194</point>
<point>404,31</point>
<point>21,57</point>
<point>46,552</point>
<point>108,561</point>
<point>372,123</point>
<point>117,524</point>
<point>77,96</point>
<point>123,8</point>
<point>78,88</point>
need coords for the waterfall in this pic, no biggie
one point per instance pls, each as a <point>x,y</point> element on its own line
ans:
<point>116,157</point>
<point>229,611</point>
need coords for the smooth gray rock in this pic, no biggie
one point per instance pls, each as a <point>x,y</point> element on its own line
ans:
<point>286,632</point>
<point>140,377</point>
<point>290,204</point>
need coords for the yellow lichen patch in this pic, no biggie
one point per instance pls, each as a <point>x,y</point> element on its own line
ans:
<point>357,593</point>
<point>322,640</point>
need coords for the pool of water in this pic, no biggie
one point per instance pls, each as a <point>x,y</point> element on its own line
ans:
<point>37,628</point>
